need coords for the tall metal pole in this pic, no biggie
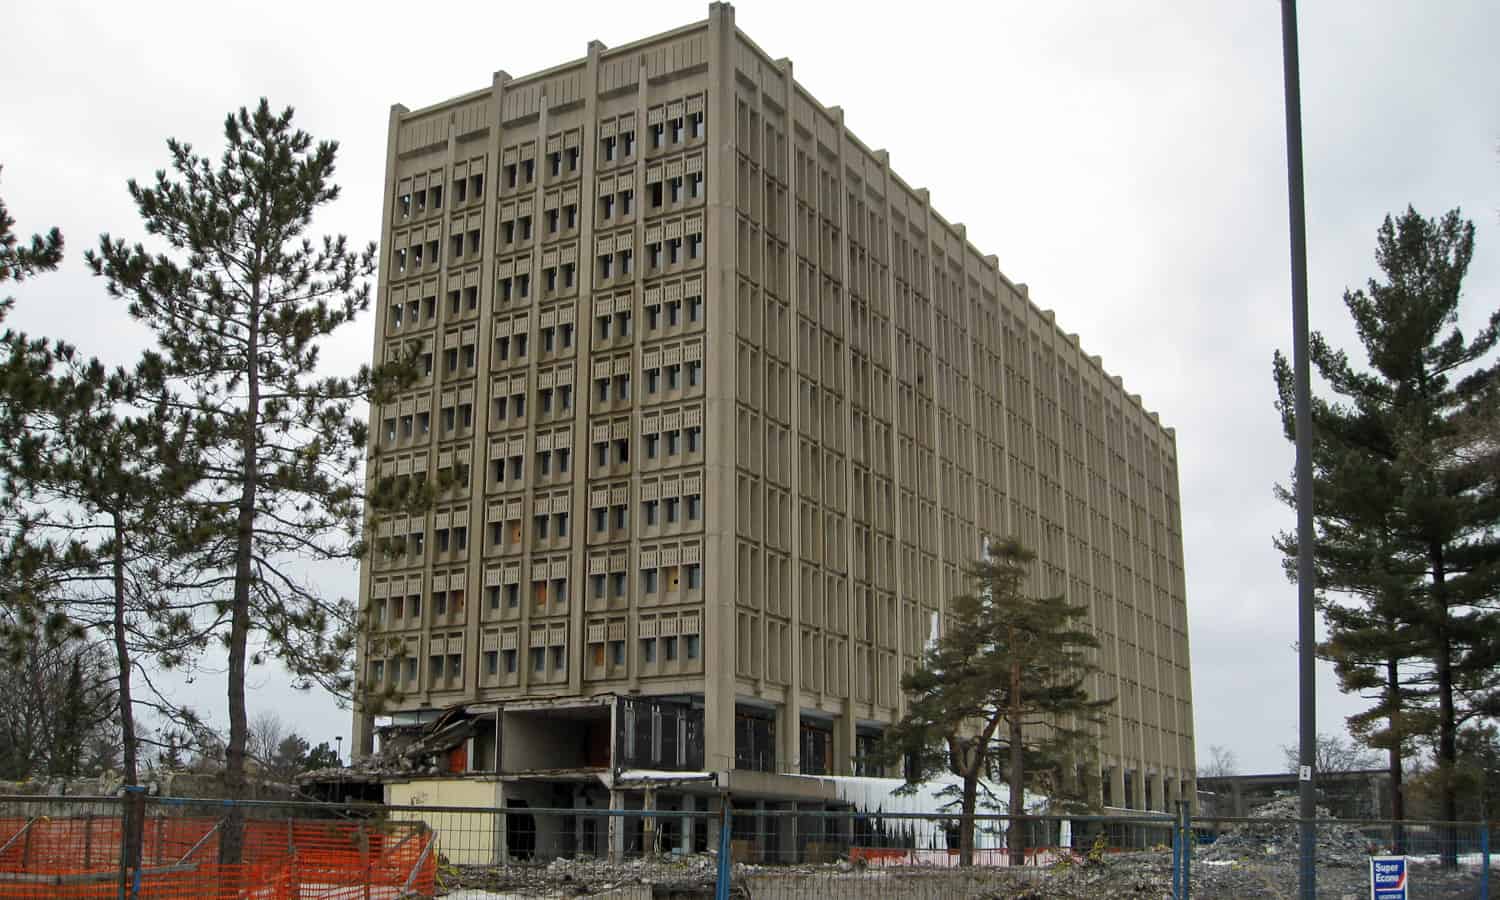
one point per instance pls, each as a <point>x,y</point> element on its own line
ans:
<point>1306,636</point>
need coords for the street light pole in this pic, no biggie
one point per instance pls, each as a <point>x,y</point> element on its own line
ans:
<point>1302,379</point>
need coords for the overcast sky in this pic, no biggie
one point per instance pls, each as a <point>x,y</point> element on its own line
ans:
<point>1126,160</point>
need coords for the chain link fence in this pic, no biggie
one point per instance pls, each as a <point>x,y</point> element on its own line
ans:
<point>154,847</point>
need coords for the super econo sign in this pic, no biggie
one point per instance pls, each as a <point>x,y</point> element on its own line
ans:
<point>1388,878</point>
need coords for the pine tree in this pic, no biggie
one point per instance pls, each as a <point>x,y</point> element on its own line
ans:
<point>1002,690</point>
<point>91,488</point>
<point>239,303</point>
<point>1405,503</point>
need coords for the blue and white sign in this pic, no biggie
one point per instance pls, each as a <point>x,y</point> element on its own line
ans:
<point>1388,878</point>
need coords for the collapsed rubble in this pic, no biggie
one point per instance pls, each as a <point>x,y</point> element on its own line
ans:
<point>1274,832</point>
<point>415,749</point>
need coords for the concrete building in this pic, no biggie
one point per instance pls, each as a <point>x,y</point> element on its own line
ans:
<point>726,406</point>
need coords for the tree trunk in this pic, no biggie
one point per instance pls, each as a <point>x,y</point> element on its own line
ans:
<point>131,823</point>
<point>231,843</point>
<point>1447,755</point>
<point>966,826</point>
<point>1398,790</point>
<point>1015,830</point>
<point>122,661</point>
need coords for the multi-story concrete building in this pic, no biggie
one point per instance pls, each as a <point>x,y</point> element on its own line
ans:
<point>728,406</point>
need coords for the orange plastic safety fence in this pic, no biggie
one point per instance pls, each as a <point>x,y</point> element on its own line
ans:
<point>283,859</point>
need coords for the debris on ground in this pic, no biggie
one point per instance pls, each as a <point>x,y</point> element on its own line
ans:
<point>1273,832</point>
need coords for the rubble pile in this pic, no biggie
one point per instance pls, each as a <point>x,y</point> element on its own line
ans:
<point>1139,874</point>
<point>408,749</point>
<point>689,876</point>
<point>1274,833</point>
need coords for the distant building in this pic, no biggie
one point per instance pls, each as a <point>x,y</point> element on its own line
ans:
<point>1356,794</point>
<point>728,406</point>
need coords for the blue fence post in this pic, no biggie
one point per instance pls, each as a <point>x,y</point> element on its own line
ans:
<point>726,869</point>
<point>1189,838</point>
<point>1177,850</point>
<point>1484,862</point>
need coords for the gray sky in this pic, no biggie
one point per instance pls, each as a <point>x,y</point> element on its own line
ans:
<point>1126,160</point>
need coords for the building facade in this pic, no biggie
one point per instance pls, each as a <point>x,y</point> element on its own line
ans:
<point>726,407</point>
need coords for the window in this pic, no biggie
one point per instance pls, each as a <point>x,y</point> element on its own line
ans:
<point>648,581</point>
<point>539,659</point>
<point>674,377</point>
<point>694,507</point>
<point>649,511</point>
<point>491,663</point>
<point>648,650</point>
<point>618,584</point>
<point>695,309</point>
<point>601,517</point>
<point>669,648</point>
<point>695,372</point>
<point>653,380</point>
<point>651,442</point>
<point>672,504</point>
<point>694,576</point>
<point>606,206</point>
<point>627,198</point>
<point>510,661</point>
<point>695,185</point>
<point>690,646</point>
<point>596,586</point>
<point>607,148</point>
<point>512,596</point>
<point>622,517</point>
<point>694,437</point>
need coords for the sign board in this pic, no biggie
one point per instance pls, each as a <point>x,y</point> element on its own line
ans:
<point>1388,878</point>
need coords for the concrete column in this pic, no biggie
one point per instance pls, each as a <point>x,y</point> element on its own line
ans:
<point>786,833</point>
<point>758,843</point>
<point>789,737</point>
<point>616,827</point>
<point>685,839</point>
<point>1117,785</point>
<point>715,806</point>
<point>648,831</point>
<point>843,740</point>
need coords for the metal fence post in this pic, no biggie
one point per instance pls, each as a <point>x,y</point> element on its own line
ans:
<point>1177,856</point>
<point>1484,862</point>
<point>726,869</point>
<point>1189,838</point>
